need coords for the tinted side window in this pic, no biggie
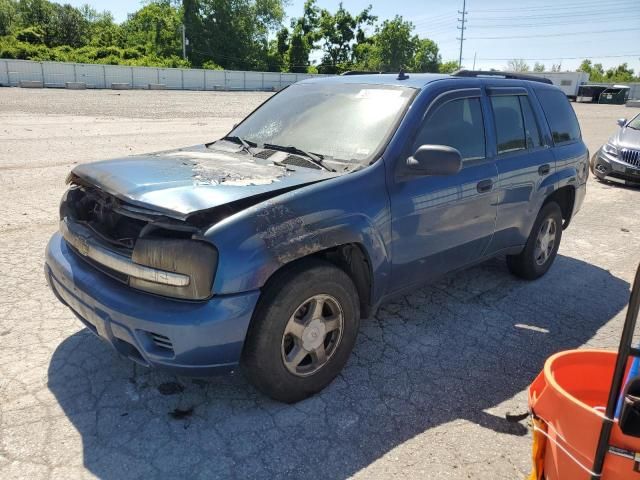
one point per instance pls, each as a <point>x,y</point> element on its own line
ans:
<point>534,139</point>
<point>560,116</point>
<point>458,124</point>
<point>509,123</point>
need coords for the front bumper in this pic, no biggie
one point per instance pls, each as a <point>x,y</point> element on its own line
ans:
<point>187,338</point>
<point>604,166</point>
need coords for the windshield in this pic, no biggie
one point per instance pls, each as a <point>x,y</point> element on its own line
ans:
<point>347,122</point>
<point>634,123</point>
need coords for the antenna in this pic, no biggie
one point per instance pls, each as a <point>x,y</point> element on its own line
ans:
<point>462,28</point>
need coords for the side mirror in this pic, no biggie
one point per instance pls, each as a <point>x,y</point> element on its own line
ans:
<point>622,122</point>
<point>434,160</point>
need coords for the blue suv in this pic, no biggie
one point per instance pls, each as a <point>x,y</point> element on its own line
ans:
<point>265,248</point>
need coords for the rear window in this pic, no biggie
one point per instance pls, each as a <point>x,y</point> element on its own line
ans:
<point>560,116</point>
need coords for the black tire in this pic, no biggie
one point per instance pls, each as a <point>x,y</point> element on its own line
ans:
<point>265,346</point>
<point>527,264</point>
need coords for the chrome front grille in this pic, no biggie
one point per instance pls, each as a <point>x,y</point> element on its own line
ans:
<point>632,157</point>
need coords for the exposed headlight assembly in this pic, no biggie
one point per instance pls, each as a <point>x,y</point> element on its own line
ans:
<point>610,149</point>
<point>193,258</point>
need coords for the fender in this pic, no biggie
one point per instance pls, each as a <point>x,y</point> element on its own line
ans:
<point>254,243</point>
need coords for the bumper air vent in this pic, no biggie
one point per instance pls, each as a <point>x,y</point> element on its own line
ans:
<point>161,341</point>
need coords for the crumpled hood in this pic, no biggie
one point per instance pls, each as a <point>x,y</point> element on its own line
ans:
<point>184,181</point>
<point>627,137</point>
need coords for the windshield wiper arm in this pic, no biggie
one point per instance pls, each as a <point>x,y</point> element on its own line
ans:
<point>315,158</point>
<point>246,144</point>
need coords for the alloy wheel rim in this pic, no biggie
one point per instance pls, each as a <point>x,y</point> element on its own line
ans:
<point>545,241</point>
<point>312,335</point>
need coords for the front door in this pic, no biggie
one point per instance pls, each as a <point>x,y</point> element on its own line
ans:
<point>441,223</point>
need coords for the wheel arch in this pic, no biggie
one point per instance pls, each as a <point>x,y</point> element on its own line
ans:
<point>352,258</point>
<point>565,197</point>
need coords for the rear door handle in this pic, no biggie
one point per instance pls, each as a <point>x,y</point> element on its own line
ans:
<point>485,185</point>
<point>544,169</point>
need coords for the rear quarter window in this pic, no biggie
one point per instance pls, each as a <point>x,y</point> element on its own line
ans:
<point>560,116</point>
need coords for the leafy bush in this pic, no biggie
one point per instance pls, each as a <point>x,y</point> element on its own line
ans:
<point>211,65</point>
<point>106,52</point>
<point>34,35</point>
<point>130,53</point>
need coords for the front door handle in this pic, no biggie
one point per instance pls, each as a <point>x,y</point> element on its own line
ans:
<point>544,169</point>
<point>485,185</point>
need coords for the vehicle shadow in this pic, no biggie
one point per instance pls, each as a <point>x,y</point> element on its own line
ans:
<point>447,352</point>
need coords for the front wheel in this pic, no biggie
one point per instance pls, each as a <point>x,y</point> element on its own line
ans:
<point>542,245</point>
<point>303,332</point>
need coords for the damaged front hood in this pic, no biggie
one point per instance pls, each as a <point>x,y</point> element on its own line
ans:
<point>181,182</point>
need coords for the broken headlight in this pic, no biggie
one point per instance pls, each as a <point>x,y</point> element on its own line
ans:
<point>196,259</point>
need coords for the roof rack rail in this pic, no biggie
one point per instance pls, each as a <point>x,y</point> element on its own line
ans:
<point>359,72</point>
<point>499,74</point>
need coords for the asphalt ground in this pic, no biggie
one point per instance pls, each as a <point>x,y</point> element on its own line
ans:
<point>424,394</point>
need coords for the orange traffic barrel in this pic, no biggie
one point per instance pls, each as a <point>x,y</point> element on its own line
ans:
<point>568,401</point>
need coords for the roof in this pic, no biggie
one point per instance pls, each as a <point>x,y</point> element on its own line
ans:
<point>420,80</point>
<point>415,80</point>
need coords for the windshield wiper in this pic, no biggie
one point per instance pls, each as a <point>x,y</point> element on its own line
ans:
<point>246,144</point>
<point>315,158</point>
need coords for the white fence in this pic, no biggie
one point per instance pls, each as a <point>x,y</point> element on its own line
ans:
<point>57,74</point>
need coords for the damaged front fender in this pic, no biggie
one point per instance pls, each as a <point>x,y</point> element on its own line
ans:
<point>258,241</point>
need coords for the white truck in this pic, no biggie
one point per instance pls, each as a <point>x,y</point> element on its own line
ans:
<point>569,82</point>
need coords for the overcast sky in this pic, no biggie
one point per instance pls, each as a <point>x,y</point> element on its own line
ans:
<point>607,31</point>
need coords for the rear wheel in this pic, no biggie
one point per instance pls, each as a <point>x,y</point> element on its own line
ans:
<point>303,331</point>
<point>542,245</point>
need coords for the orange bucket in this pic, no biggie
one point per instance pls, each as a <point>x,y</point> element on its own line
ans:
<point>568,400</point>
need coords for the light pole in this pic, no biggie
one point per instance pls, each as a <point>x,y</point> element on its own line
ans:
<point>184,42</point>
<point>462,28</point>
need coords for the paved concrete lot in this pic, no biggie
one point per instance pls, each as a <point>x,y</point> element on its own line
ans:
<point>423,396</point>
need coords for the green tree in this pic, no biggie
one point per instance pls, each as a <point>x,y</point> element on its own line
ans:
<point>448,67</point>
<point>622,73</point>
<point>156,27</point>
<point>538,67</point>
<point>426,57</point>
<point>596,72</point>
<point>103,31</point>
<point>394,44</point>
<point>8,16</point>
<point>233,33</point>
<point>304,34</point>
<point>67,26</point>
<point>338,33</point>
<point>298,55</point>
<point>35,13</point>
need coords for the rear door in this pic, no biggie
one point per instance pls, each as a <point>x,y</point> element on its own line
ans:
<point>524,160</point>
<point>440,223</point>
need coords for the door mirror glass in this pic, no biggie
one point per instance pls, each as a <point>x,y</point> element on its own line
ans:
<point>434,160</point>
<point>622,122</point>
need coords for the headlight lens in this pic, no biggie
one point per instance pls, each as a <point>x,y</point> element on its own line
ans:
<point>610,149</point>
<point>194,258</point>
